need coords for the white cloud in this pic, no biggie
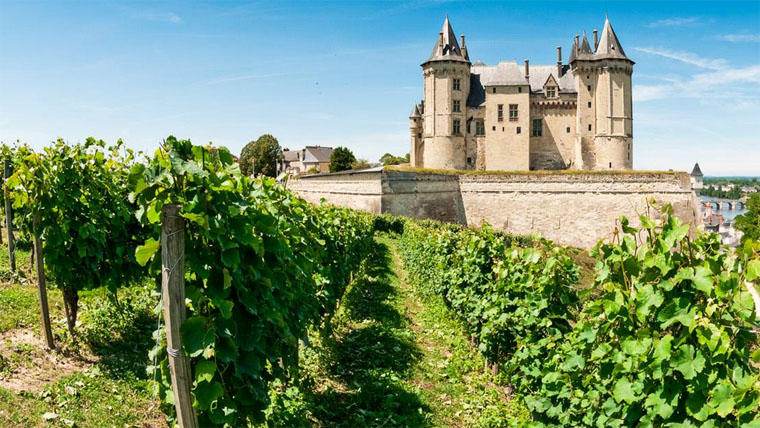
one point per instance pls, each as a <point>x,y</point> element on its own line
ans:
<point>752,38</point>
<point>686,57</point>
<point>674,22</point>
<point>173,18</point>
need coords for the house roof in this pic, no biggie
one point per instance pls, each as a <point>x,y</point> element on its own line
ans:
<point>508,73</point>
<point>317,154</point>
<point>696,172</point>
<point>446,46</point>
<point>290,155</point>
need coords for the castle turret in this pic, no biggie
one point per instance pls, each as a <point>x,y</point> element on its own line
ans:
<point>415,130</point>
<point>447,84</point>
<point>605,107</point>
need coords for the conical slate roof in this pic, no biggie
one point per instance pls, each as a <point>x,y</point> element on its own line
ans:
<point>609,45</point>
<point>415,112</point>
<point>696,172</point>
<point>585,47</point>
<point>446,47</point>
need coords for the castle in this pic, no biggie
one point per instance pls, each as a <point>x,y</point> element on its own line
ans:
<point>505,117</point>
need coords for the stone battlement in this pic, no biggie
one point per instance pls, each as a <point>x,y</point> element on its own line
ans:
<point>571,208</point>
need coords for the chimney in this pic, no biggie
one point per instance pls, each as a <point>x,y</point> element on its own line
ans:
<point>596,39</point>
<point>463,47</point>
<point>440,43</point>
<point>527,69</point>
<point>578,40</point>
<point>559,61</point>
<point>462,36</point>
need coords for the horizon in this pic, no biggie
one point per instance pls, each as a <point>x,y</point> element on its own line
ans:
<point>320,73</point>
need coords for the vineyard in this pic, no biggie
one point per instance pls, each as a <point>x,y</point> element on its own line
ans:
<point>171,289</point>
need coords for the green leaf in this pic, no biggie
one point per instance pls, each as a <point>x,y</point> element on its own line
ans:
<point>231,257</point>
<point>196,337</point>
<point>145,252</point>
<point>204,371</point>
<point>206,393</point>
<point>623,391</point>
<point>753,270</point>
<point>722,398</point>
<point>703,280</point>
<point>684,361</point>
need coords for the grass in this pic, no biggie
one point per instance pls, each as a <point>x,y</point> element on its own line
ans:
<point>393,360</point>
<point>97,380</point>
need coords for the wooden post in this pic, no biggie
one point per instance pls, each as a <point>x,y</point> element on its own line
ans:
<point>173,290</point>
<point>9,216</point>
<point>44,311</point>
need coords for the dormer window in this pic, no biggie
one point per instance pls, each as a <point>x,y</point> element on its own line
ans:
<point>551,92</point>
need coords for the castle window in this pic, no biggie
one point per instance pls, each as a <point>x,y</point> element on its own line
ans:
<point>455,84</point>
<point>610,165</point>
<point>494,128</point>
<point>500,112</point>
<point>468,126</point>
<point>519,89</point>
<point>518,130</point>
<point>513,112</point>
<point>551,92</point>
<point>493,90</point>
<point>538,126</point>
<point>568,129</point>
<point>457,106</point>
<point>480,127</point>
<point>469,160</point>
<point>589,88</point>
<point>457,127</point>
<point>589,127</point>
<point>589,104</point>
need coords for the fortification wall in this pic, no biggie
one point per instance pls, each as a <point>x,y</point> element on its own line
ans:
<point>572,209</point>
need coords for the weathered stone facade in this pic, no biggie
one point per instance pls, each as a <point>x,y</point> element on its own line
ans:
<point>510,118</point>
<point>574,209</point>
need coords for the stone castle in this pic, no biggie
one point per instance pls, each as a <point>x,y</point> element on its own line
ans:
<point>505,117</point>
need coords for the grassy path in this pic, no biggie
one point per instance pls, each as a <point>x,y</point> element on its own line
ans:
<point>395,359</point>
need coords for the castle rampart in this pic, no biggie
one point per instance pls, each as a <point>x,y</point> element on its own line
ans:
<point>571,208</point>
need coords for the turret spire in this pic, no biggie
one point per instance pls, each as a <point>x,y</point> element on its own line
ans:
<point>609,45</point>
<point>446,47</point>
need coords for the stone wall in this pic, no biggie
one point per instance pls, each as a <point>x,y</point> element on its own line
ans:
<point>574,209</point>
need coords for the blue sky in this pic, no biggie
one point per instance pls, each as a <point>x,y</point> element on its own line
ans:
<point>347,73</point>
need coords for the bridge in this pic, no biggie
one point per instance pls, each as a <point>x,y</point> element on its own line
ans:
<point>730,204</point>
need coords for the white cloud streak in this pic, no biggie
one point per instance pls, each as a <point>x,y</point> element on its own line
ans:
<point>674,22</point>
<point>739,38</point>
<point>686,57</point>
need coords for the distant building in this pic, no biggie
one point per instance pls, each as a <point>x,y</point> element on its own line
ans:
<point>574,115</point>
<point>306,159</point>
<point>749,189</point>
<point>696,178</point>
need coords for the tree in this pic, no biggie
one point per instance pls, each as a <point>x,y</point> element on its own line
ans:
<point>389,159</point>
<point>749,222</point>
<point>360,164</point>
<point>341,159</point>
<point>260,156</point>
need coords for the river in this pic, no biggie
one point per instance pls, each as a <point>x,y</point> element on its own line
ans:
<point>727,214</point>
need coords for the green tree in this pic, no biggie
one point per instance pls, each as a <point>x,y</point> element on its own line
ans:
<point>749,222</point>
<point>360,164</point>
<point>260,156</point>
<point>389,159</point>
<point>341,159</point>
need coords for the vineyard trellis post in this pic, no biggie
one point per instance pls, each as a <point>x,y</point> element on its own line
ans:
<point>173,291</point>
<point>44,310</point>
<point>7,172</point>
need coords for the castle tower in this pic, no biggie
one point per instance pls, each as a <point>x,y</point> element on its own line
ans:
<point>604,118</point>
<point>447,84</point>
